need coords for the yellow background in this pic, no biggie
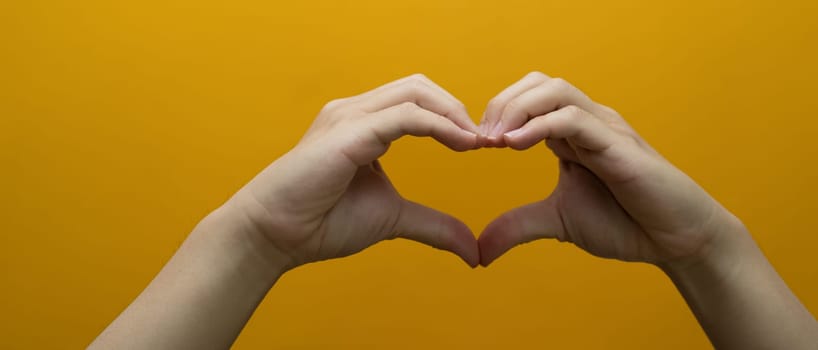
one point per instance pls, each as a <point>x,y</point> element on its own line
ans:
<point>124,123</point>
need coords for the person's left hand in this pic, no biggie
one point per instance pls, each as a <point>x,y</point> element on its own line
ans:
<point>616,196</point>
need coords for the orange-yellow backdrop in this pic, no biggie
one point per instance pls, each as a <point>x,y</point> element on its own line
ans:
<point>124,123</point>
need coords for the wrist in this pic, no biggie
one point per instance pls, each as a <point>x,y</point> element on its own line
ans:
<point>228,229</point>
<point>203,296</point>
<point>737,296</point>
<point>730,246</point>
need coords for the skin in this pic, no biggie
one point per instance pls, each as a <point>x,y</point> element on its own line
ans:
<point>643,208</point>
<point>329,197</point>
<point>618,198</point>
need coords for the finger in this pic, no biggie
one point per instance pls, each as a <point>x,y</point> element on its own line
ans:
<point>391,84</point>
<point>572,123</point>
<point>520,225</point>
<point>544,98</point>
<point>437,87</point>
<point>434,228</point>
<point>372,138</point>
<point>410,119</point>
<point>424,93</point>
<point>495,107</point>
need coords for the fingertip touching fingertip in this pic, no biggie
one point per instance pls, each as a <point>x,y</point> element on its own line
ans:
<point>485,262</point>
<point>472,261</point>
<point>482,141</point>
<point>494,142</point>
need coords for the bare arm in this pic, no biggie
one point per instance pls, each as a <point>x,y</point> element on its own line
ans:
<point>326,198</point>
<point>202,297</point>
<point>739,299</point>
<point>618,198</point>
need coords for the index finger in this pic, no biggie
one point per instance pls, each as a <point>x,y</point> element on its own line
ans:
<point>390,124</point>
<point>549,96</point>
<point>423,92</point>
<point>495,107</point>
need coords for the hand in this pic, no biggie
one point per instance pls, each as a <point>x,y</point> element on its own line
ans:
<point>329,197</point>
<point>616,196</point>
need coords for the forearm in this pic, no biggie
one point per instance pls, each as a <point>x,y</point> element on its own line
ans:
<point>739,299</point>
<point>202,297</point>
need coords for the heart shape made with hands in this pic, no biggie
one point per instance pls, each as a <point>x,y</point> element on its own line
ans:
<point>616,197</point>
<point>539,108</point>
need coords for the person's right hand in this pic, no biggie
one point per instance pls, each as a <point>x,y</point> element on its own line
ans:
<point>329,197</point>
<point>616,196</point>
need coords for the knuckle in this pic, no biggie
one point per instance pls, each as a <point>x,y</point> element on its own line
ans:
<point>573,112</point>
<point>418,76</point>
<point>495,104</point>
<point>408,107</point>
<point>333,105</point>
<point>560,84</point>
<point>536,74</point>
<point>417,85</point>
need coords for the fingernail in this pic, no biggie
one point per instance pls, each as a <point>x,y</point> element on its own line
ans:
<point>513,133</point>
<point>481,141</point>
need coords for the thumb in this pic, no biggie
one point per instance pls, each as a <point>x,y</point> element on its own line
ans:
<point>520,225</point>
<point>434,228</point>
